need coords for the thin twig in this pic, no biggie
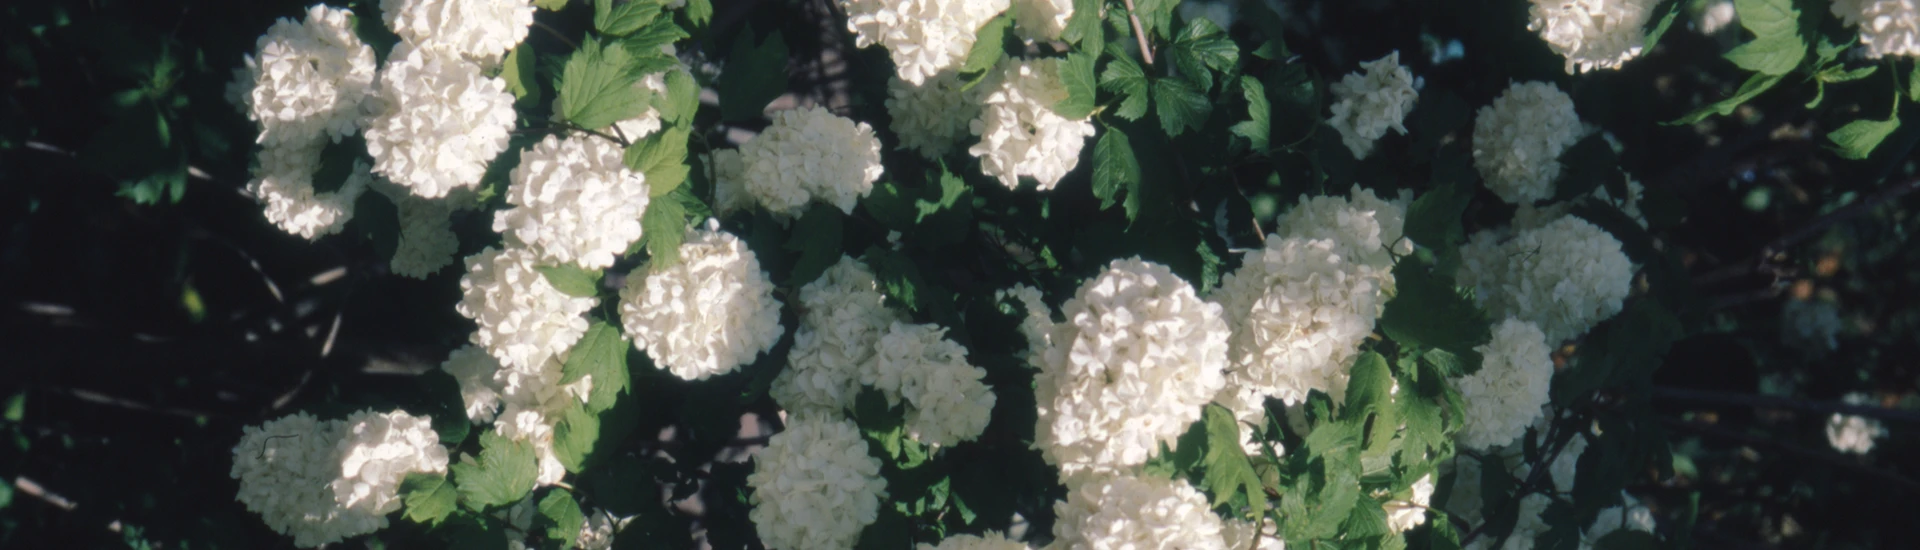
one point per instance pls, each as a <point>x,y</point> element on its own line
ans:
<point>1829,458</point>
<point>1771,402</point>
<point>556,34</point>
<point>1139,32</point>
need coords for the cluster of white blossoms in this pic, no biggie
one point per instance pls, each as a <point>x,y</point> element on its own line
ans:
<point>1129,369</point>
<point>1505,395</point>
<point>324,481</point>
<point>1852,433</point>
<point>481,31</point>
<point>931,117</point>
<point>1020,135</point>
<point>1517,141</point>
<point>1404,515</point>
<point>1592,34</point>
<point>842,318</point>
<point>599,530</point>
<point>1298,312</point>
<point>311,78</point>
<point>814,485</point>
<point>992,541</point>
<point>810,154</point>
<point>947,401</point>
<point>924,37</point>
<point>1887,27</point>
<point>1564,277</point>
<point>1364,229</point>
<point>473,369</point>
<point>707,315</point>
<point>427,242</point>
<point>574,202</point>
<point>284,181</point>
<point>1365,107</point>
<point>1042,20</point>
<point>1122,511</point>
<point>437,122</point>
<point>524,321</point>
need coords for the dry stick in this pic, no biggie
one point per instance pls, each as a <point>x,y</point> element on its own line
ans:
<point>1830,458</point>
<point>1140,33</point>
<point>1771,402</point>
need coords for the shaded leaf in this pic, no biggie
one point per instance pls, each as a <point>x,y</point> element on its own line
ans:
<point>574,435</point>
<point>1753,87</point>
<point>664,226</point>
<point>602,354</point>
<point>571,279</point>
<point>1076,73</point>
<point>503,473</point>
<point>1228,471</point>
<point>1255,128</point>
<point>561,516</point>
<point>816,236</point>
<point>753,76</point>
<point>429,498</point>
<point>519,73</point>
<point>1115,170</point>
<point>1125,77</point>
<point>1181,107</point>
<point>1858,139</point>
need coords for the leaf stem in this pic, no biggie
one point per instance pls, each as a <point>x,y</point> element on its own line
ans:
<point>1146,53</point>
<point>556,34</point>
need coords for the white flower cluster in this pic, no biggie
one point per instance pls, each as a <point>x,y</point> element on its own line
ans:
<point>1404,515</point>
<point>284,181</point>
<point>814,485</point>
<point>1564,277</point>
<point>707,315</point>
<point>1120,511</point>
<point>1020,135</point>
<point>810,154</point>
<point>1851,433</point>
<point>1517,141</point>
<point>992,541</point>
<point>923,36</point>
<point>1241,534</point>
<point>474,370</point>
<point>1042,20</point>
<point>524,321</point>
<point>1129,369</point>
<point>324,481</point>
<point>1364,229</point>
<point>529,399</point>
<point>427,242</point>
<point>1505,395</point>
<point>1365,107</point>
<point>932,116</point>
<point>574,202</point>
<point>1887,27</point>
<point>482,31</point>
<point>842,318</point>
<point>1298,312</point>
<point>310,79</point>
<point>947,401</point>
<point>438,121</point>
<point>1592,34</point>
<point>597,533</point>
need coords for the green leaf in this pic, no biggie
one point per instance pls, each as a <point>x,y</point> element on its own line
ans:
<point>1433,220</point>
<point>336,163</point>
<point>625,18</point>
<point>519,73</point>
<point>699,12</point>
<point>1588,164</point>
<point>1077,74</point>
<point>665,226</point>
<point>429,498</point>
<point>1228,471</point>
<point>646,42</point>
<point>1083,27</point>
<point>550,5</point>
<point>575,434</point>
<point>1124,77</point>
<point>683,98</point>
<point>561,516</point>
<point>1115,170</point>
<point>572,280</point>
<point>662,158</point>
<point>816,236</point>
<point>1333,503</point>
<point>1753,87</point>
<point>602,354</point>
<point>1659,29</point>
<point>1913,83</point>
<point>1156,16</point>
<point>1180,106</point>
<point>1627,539</point>
<point>468,531</point>
<point>596,87</point>
<point>1426,312</point>
<point>753,76</point>
<point>1839,73</point>
<point>1255,128</point>
<point>504,472</point>
<point>1200,47</point>
<point>1294,103</point>
<point>1772,55</point>
<point>1858,139</point>
<point>987,45</point>
<point>1768,17</point>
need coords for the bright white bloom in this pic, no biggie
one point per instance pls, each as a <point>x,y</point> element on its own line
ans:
<point>284,181</point>
<point>1592,34</point>
<point>1630,515</point>
<point>814,485</point>
<point>310,78</point>
<point>1887,27</point>
<point>842,318</point>
<point>1717,16</point>
<point>707,315</point>
<point>1042,20</point>
<point>474,370</point>
<point>1020,135</point>
<point>948,402</point>
<point>479,30</point>
<point>1120,511</point>
<point>1564,277</point>
<point>931,117</point>
<point>1403,515</point>
<point>923,36</point>
<point>1530,216</point>
<point>810,154</point>
<point>284,467</point>
<point>427,242</point>
<point>1128,370</point>
<point>1811,325</point>
<point>1854,434</point>
<point>1239,534</point>
<point>574,202</point>
<point>1364,229</point>
<point>1298,313</point>
<point>597,533</point>
<point>378,451</point>
<point>1365,107</point>
<point>524,321</point>
<point>438,121</point>
<point>1505,395</point>
<point>1517,141</point>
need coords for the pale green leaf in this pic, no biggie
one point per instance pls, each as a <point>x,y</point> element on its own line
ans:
<point>550,5</point>
<point>1858,139</point>
<point>1768,17</point>
<point>1772,55</point>
<point>683,98</point>
<point>572,280</point>
<point>518,71</point>
<point>646,43</point>
<point>1083,27</point>
<point>1753,87</point>
<point>1838,73</point>
<point>987,45</point>
<point>699,12</point>
<point>503,473</point>
<point>625,17</point>
<point>1076,72</point>
<point>429,498</point>
<point>575,434</point>
<point>662,158</point>
<point>596,87</point>
<point>602,354</point>
<point>561,516</point>
<point>1156,16</point>
<point>664,227</point>
<point>1227,468</point>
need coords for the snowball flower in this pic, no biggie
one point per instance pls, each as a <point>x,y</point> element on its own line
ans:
<point>1592,34</point>
<point>810,154</point>
<point>379,450</point>
<point>474,371</point>
<point>924,37</point>
<point>1564,277</point>
<point>284,467</point>
<point>1517,141</point>
<point>1505,395</point>
<point>1854,434</point>
<point>1365,107</point>
<point>948,402</point>
<point>842,318</point>
<point>1403,515</point>
<point>310,78</point>
<point>438,121</point>
<point>1129,369</point>
<point>478,30</point>
<point>1119,511</point>
<point>1364,229</point>
<point>1042,20</point>
<point>932,116</point>
<point>283,180</point>
<point>707,315</point>
<point>1298,312</point>
<point>1887,27</point>
<point>574,202</point>
<point>1020,135</point>
<point>814,485</point>
<point>524,321</point>
<point>992,541</point>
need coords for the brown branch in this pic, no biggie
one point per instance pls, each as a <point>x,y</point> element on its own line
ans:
<point>1146,53</point>
<point>1835,459</point>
